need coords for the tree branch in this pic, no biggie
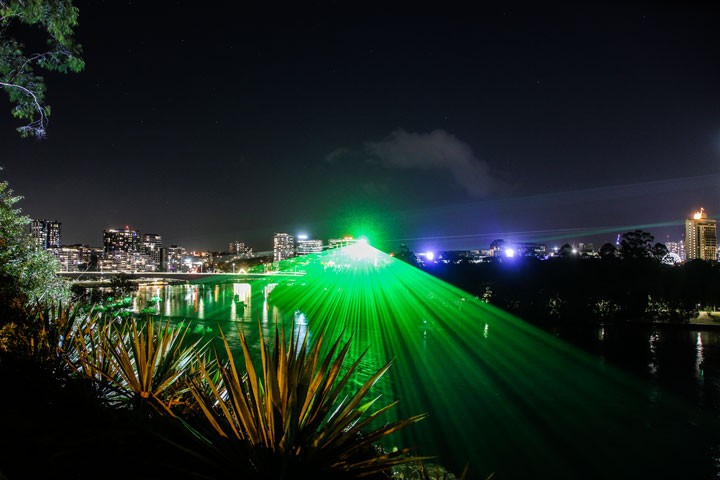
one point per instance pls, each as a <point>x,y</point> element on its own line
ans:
<point>38,125</point>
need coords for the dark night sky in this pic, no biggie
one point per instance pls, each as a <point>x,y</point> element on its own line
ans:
<point>209,125</point>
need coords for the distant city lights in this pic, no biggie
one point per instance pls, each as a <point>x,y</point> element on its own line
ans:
<point>509,252</point>
<point>430,255</point>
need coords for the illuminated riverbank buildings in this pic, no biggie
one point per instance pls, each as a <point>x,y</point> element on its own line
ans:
<point>701,237</point>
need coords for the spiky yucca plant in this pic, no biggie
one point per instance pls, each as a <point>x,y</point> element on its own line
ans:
<point>288,418</point>
<point>85,354</point>
<point>144,364</point>
<point>43,334</point>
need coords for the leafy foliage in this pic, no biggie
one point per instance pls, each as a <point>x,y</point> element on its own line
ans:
<point>33,270</point>
<point>636,245</point>
<point>18,68</point>
<point>40,336</point>
<point>288,416</point>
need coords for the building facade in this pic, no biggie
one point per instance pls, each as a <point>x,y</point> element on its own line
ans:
<point>175,258</point>
<point>236,247</point>
<point>72,258</point>
<point>239,248</point>
<point>701,237</point>
<point>283,246</point>
<point>677,248</point>
<point>116,240</point>
<point>306,245</point>
<point>46,233</point>
<point>151,246</point>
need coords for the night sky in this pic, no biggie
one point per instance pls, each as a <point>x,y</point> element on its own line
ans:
<point>446,126</point>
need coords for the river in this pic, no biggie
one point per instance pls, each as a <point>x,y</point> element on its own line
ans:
<point>567,402</point>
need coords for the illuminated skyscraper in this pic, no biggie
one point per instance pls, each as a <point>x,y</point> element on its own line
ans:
<point>117,240</point>
<point>283,246</point>
<point>701,237</point>
<point>46,233</point>
<point>150,246</point>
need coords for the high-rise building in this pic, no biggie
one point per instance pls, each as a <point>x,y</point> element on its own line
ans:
<point>117,240</point>
<point>71,257</point>
<point>150,246</point>
<point>175,258</point>
<point>239,248</point>
<point>306,245</point>
<point>46,233</point>
<point>677,248</point>
<point>701,237</point>
<point>283,246</point>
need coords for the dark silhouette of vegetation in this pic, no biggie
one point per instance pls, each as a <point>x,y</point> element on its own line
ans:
<point>631,284</point>
<point>406,255</point>
<point>82,383</point>
<point>636,245</point>
<point>607,251</point>
<point>565,251</point>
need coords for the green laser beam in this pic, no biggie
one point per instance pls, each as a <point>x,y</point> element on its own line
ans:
<point>501,394</point>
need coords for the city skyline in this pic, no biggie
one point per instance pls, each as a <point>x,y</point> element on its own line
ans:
<point>433,126</point>
<point>303,244</point>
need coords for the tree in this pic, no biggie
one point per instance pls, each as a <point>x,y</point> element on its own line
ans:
<point>608,250</point>
<point>636,245</point>
<point>406,255</point>
<point>498,244</point>
<point>32,270</point>
<point>19,75</point>
<point>565,251</point>
<point>660,251</point>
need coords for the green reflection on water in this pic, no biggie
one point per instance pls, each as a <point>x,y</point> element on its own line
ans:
<point>501,394</point>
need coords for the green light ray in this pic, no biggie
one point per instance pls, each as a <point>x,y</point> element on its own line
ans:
<point>501,394</point>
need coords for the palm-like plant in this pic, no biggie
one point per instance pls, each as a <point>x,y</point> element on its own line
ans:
<point>288,417</point>
<point>42,335</point>
<point>144,365</point>
<point>84,353</point>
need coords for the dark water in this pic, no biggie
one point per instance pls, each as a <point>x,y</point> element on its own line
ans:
<point>643,404</point>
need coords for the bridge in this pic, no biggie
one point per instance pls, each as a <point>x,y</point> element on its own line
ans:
<point>177,275</point>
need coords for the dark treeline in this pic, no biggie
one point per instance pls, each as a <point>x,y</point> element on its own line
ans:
<point>572,289</point>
